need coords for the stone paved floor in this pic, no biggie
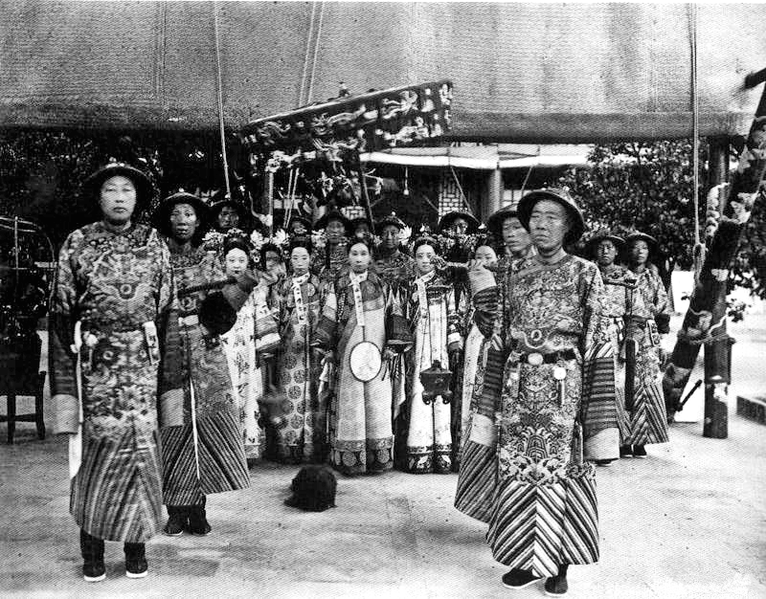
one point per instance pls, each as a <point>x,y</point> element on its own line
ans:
<point>688,522</point>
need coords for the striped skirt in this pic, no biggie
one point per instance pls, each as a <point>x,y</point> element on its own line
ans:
<point>117,493</point>
<point>219,454</point>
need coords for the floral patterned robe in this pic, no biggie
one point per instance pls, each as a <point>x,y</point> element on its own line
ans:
<point>303,436</point>
<point>559,366</point>
<point>246,370</point>
<point>116,284</point>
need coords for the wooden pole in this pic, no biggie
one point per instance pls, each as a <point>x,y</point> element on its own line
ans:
<point>717,353</point>
<point>706,312</point>
<point>365,195</point>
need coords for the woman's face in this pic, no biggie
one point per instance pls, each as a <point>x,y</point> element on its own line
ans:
<point>299,260</point>
<point>183,222</point>
<point>236,262</point>
<point>485,255</point>
<point>424,256</point>
<point>117,200</point>
<point>515,236</point>
<point>359,257</point>
<point>606,252</point>
<point>390,236</point>
<point>335,231</point>
<point>639,252</point>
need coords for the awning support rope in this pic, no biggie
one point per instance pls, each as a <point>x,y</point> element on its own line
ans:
<point>219,86</point>
<point>699,247</point>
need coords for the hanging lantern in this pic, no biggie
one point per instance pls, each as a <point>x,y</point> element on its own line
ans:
<point>435,381</point>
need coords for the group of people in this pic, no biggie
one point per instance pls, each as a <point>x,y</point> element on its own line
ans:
<point>184,352</point>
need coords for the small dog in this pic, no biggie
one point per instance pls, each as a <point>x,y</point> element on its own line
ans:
<point>313,489</point>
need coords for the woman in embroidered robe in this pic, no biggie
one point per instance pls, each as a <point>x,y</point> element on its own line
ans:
<point>430,310</point>
<point>205,454</point>
<point>354,310</point>
<point>648,318</point>
<point>473,362</point>
<point>115,280</point>
<point>559,364</point>
<point>242,348</point>
<point>302,437</point>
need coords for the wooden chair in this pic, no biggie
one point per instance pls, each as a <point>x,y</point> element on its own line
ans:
<point>14,382</point>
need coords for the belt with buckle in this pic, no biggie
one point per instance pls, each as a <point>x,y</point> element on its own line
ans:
<point>537,358</point>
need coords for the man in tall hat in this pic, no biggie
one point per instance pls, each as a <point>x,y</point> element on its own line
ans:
<point>114,307</point>
<point>329,263</point>
<point>392,265</point>
<point>619,288</point>
<point>204,453</point>
<point>543,514</point>
<point>648,319</point>
<point>228,214</point>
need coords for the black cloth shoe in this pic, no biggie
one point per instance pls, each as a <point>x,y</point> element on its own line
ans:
<point>178,519</point>
<point>519,579</point>
<point>135,560</point>
<point>556,586</point>
<point>603,462</point>
<point>639,451</point>
<point>92,549</point>
<point>626,451</point>
<point>198,524</point>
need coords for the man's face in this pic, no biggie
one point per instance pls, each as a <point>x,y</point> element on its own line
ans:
<point>271,261</point>
<point>390,237</point>
<point>117,200</point>
<point>606,252</point>
<point>299,228</point>
<point>459,227</point>
<point>228,218</point>
<point>548,224</point>
<point>335,231</point>
<point>515,236</point>
<point>639,252</point>
<point>183,222</point>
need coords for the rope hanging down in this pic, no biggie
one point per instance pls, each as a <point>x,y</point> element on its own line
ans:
<point>699,247</point>
<point>219,90</point>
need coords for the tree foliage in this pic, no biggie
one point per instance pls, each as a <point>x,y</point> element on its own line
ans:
<point>645,186</point>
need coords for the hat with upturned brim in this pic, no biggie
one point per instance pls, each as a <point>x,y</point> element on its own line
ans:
<point>299,219</point>
<point>333,215</point>
<point>639,236</point>
<point>560,196</point>
<point>448,219</point>
<point>388,221</point>
<point>215,209</point>
<point>496,219</point>
<point>592,244</point>
<point>144,188</point>
<point>161,216</point>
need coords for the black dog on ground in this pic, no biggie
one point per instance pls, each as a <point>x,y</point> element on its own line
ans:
<point>313,489</point>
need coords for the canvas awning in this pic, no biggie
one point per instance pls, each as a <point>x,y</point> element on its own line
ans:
<point>523,72</point>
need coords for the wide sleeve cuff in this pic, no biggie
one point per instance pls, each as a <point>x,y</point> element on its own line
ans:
<point>67,414</point>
